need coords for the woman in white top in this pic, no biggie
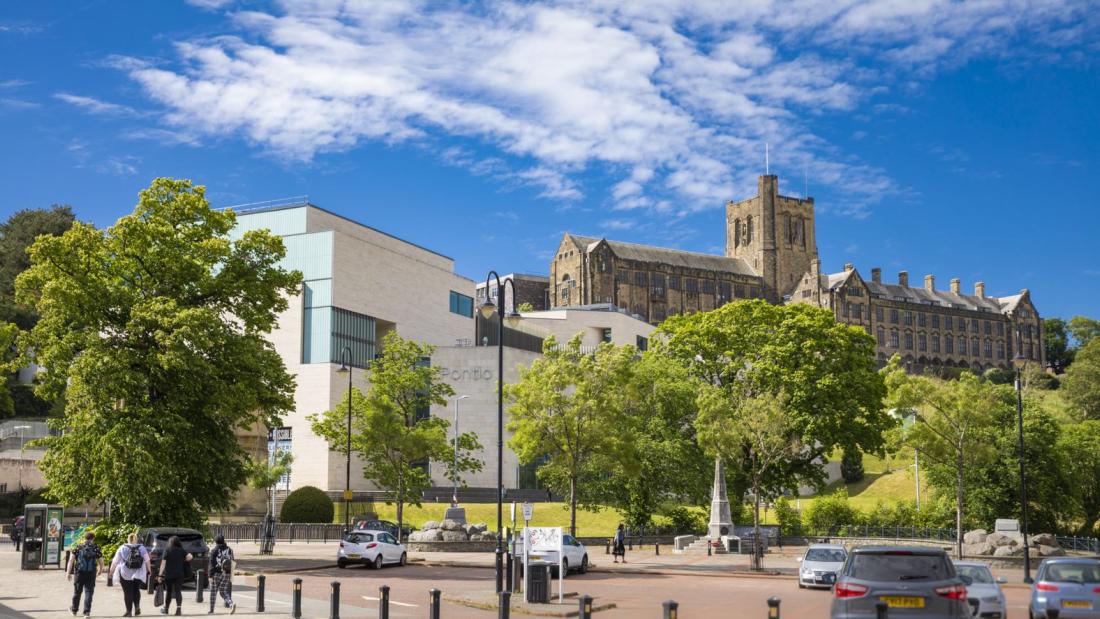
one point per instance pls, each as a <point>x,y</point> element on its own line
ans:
<point>131,579</point>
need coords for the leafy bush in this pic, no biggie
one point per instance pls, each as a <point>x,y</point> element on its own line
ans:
<point>999,376</point>
<point>109,536</point>
<point>830,513</point>
<point>790,521</point>
<point>851,466</point>
<point>682,520</point>
<point>307,504</point>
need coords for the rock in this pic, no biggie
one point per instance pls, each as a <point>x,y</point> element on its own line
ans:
<point>1008,551</point>
<point>453,536</point>
<point>1044,539</point>
<point>1051,551</point>
<point>489,535</point>
<point>976,536</point>
<point>480,527</point>
<point>429,525</point>
<point>434,535</point>
<point>475,537</point>
<point>452,525</point>
<point>999,540</point>
<point>980,549</point>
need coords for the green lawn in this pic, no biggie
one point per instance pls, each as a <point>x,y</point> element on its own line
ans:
<point>589,524</point>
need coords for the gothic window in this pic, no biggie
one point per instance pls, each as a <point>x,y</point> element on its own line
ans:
<point>1000,349</point>
<point>908,318</point>
<point>739,291</point>
<point>878,314</point>
<point>748,230</point>
<point>935,343</point>
<point>640,278</point>
<point>988,347</point>
<point>737,233</point>
<point>922,342</point>
<point>881,336</point>
<point>674,282</point>
<point>974,350</point>
<point>893,339</point>
<point>1000,328</point>
<point>859,311</point>
<point>908,341</point>
<point>657,286</point>
<point>988,326</point>
<point>692,285</point>
<point>622,277</point>
<point>723,292</point>
<point>948,344</point>
<point>708,286</point>
<point>974,326</point>
<point>962,325</point>
<point>894,316</point>
<point>935,321</point>
<point>947,323</point>
<point>920,319</point>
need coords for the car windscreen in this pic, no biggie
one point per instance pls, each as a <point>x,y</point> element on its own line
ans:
<point>891,566</point>
<point>978,575</point>
<point>359,538</point>
<point>1080,573</point>
<point>826,555</point>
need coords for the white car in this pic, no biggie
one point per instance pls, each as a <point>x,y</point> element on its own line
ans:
<point>575,560</point>
<point>820,565</point>
<point>374,548</point>
<point>987,601</point>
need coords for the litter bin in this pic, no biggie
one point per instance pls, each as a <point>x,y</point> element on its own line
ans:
<point>538,581</point>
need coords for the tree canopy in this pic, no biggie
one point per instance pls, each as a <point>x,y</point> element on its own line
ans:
<point>1081,382</point>
<point>156,327</point>
<point>1058,352</point>
<point>16,235</point>
<point>1079,447</point>
<point>1084,329</point>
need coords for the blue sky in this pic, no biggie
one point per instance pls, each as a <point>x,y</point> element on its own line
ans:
<point>941,137</point>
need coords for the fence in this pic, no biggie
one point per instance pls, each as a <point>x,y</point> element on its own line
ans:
<point>1080,544</point>
<point>886,532</point>
<point>286,532</point>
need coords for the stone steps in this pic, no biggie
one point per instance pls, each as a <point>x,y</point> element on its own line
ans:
<point>699,547</point>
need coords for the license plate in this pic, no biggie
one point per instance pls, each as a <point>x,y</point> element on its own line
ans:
<point>1076,604</point>
<point>354,556</point>
<point>899,601</point>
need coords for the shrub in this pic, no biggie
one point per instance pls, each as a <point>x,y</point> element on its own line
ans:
<point>999,376</point>
<point>109,536</point>
<point>307,504</point>
<point>830,513</point>
<point>684,521</point>
<point>851,466</point>
<point>790,521</point>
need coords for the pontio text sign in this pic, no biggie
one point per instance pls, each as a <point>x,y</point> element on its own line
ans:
<point>467,374</point>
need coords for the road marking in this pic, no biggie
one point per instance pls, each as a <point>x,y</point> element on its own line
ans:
<point>370,599</point>
<point>266,599</point>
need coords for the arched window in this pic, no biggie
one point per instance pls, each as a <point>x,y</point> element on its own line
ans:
<point>737,233</point>
<point>881,336</point>
<point>748,230</point>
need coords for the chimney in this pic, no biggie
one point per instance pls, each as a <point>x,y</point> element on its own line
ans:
<point>955,285</point>
<point>979,289</point>
<point>848,268</point>
<point>930,282</point>
<point>876,275</point>
<point>903,278</point>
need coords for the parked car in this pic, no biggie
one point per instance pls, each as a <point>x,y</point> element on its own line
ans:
<point>156,540</point>
<point>820,565</point>
<point>370,547</point>
<point>1071,585</point>
<point>983,591</point>
<point>913,582</point>
<point>575,560</point>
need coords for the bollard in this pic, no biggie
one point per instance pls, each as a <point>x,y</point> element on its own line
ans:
<point>586,607</point>
<point>508,572</point>
<point>296,600</point>
<point>334,601</point>
<point>261,583</point>
<point>708,548</point>
<point>629,544</point>
<point>773,608</point>
<point>670,609</point>
<point>606,549</point>
<point>433,603</point>
<point>384,602</point>
<point>505,605</point>
<point>881,609</point>
<point>198,586</point>
<point>657,548</point>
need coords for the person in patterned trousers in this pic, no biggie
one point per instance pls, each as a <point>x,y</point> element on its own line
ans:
<point>221,575</point>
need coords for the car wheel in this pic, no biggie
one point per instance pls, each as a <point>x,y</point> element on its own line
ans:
<point>378,562</point>
<point>404,558</point>
<point>341,563</point>
<point>565,566</point>
<point>584,564</point>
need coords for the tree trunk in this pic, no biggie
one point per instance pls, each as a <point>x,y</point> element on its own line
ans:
<point>400,508</point>
<point>959,504</point>
<point>757,549</point>
<point>573,505</point>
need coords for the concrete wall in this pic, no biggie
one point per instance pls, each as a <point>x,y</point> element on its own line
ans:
<point>563,324</point>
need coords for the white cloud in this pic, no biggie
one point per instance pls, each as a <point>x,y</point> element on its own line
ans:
<point>164,136</point>
<point>96,106</point>
<point>12,103</point>
<point>210,5</point>
<point>672,99</point>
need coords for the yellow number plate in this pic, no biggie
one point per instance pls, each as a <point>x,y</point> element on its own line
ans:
<point>898,601</point>
<point>1076,604</point>
<point>354,556</point>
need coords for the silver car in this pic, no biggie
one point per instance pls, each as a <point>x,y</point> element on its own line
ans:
<point>911,581</point>
<point>1070,585</point>
<point>982,589</point>
<point>820,565</point>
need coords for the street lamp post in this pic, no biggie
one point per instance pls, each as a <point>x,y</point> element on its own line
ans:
<point>345,366</point>
<point>454,495</point>
<point>487,309</point>
<point>1020,361</point>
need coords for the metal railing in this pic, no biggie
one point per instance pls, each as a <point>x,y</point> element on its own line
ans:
<point>884,532</point>
<point>1079,544</point>
<point>284,532</point>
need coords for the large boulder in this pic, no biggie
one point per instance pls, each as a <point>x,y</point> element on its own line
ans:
<point>1044,539</point>
<point>453,525</point>
<point>999,540</point>
<point>1051,551</point>
<point>980,549</point>
<point>433,535</point>
<point>1009,551</point>
<point>976,536</point>
<point>480,527</point>
<point>454,536</point>
<point>489,535</point>
<point>429,525</point>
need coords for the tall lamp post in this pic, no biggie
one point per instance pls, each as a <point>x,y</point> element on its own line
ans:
<point>1020,361</point>
<point>345,366</point>
<point>454,495</point>
<point>487,309</point>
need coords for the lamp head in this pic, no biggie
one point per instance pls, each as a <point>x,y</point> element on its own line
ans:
<point>487,309</point>
<point>343,369</point>
<point>512,318</point>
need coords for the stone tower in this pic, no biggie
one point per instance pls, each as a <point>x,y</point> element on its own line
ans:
<point>774,234</point>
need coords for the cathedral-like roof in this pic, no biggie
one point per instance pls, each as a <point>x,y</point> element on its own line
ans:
<point>675,257</point>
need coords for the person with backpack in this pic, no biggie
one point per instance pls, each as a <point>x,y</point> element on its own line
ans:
<point>221,574</point>
<point>85,563</point>
<point>173,569</point>
<point>131,565</point>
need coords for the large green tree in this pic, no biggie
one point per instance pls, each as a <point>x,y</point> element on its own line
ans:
<point>1079,450</point>
<point>1084,329</point>
<point>7,365</point>
<point>156,327</point>
<point>1081,382</point>
<point>824,370</point>
<point>388,434</point>
<point>566,410</point>
<point>1058,353</point>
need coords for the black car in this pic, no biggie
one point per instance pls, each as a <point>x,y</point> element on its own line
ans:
<point>156,540</point>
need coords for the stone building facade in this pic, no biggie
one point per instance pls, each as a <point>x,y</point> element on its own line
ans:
<point>771,253</point>
<point>529,290</point>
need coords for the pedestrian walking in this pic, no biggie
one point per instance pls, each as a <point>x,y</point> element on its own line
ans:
<point>619,544</point>
<point>173,569</point>
<point>130,567</point>
<point>221,575</point>
<point>17,532</point>
<point>85,563</point>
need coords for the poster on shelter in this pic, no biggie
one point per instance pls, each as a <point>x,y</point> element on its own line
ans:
<point>54,533</point>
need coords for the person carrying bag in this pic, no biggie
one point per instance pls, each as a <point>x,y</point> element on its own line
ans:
<point>131,564</point>
<point>174,567</point>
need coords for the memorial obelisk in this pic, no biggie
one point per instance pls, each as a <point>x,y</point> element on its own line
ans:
<point>720,520</point>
